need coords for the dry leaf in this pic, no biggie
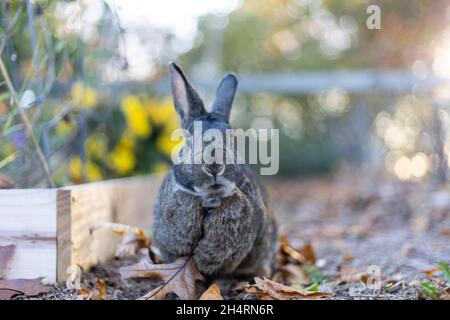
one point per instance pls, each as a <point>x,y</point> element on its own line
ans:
<point>347,257</point>
<point>213,293</point>
<point>281,292</point>
<point>349,275</point>
<point>430,272</point>
<point>286,251</point>
<point>99,293</point>
<point>301,255</point>
<point>133,239</point>
<point>307,252</point>
<point>445,232</point>
<point>260,294</point>
<point>179,277</point>
<point>74,273</point>
<point>101,288</point>
<point>241,285</point>
<point>293,273</point>
<point>6,253</point>
<point>15,287</point>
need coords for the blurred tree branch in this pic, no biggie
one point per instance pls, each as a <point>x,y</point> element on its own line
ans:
<point>26,121</point>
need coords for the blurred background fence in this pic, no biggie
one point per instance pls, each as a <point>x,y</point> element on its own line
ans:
<point>84,94</point>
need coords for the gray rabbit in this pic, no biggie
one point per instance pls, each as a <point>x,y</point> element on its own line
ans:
<point>218,213</point>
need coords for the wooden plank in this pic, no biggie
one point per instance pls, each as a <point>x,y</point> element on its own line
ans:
<point>129,201</point>
<point>134,202</point>
<point>64,233</point>
<point>28,220</point>
<point>51,227</point>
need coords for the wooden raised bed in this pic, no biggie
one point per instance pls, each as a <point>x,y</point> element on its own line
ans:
<point>51,227</point>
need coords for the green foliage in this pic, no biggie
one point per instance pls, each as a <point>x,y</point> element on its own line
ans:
<point>434,289</point>
<point>445,270</point>
<point>430,290</point>
<point>314,274</point>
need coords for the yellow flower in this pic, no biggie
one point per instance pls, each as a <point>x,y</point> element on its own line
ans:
<point>135,116</point>
<point>166,144</point>
<point>76,168</point>
<point>83,95</point>
<point>96,146</point>
<point>122,160</point>
<point>160,168</point>
<point>162,113</point>
<point>65,127</point>
<point>94,173</point>
<point>171,125</point>
<point>127,140</point>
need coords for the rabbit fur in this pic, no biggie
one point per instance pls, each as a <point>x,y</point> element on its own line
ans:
<point>223,219</point>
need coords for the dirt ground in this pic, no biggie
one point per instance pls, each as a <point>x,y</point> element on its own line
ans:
<point>372,237</point>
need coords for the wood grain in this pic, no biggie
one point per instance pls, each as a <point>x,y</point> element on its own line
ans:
<point>128,201</point>
<point>51,228</point>
<point>28,220</point>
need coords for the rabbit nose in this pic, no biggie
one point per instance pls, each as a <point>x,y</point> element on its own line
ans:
<point>213,169</point>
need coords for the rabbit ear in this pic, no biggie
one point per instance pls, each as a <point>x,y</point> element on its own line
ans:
<point>224,96</point>
<point>187,101</point>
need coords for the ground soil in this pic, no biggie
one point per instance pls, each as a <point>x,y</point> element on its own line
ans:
<point>356,224</point>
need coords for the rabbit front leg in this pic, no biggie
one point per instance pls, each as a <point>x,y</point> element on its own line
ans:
<point>177,228</point>
<point>228,237</point>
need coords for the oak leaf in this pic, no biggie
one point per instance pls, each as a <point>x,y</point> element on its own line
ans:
<point>212,293</point>
<point>282,292</point>
<point>16,287</point>
<point>179,277</point>
<point>10,288</point>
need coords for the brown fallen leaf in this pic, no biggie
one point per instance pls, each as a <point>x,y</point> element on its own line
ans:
<point>349,275</point>
<point>301,255</point>
<point>213,293</point>
<point>287,251</point>
<point>240,286</point>
<point>179,277</point>
<point>101,288</point>
<point>347,256</point>
<point>293,273</point>
<point>133,238</point>
<point>430,272</point>
<point>260,294</point>
<point>445,232</point>
<point>281,292</point>
<point>6,253</point>
<point>307,251</point>
<point>16,287</point>
<point>99,293</point>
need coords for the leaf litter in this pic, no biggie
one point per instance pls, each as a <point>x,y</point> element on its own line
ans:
<point>333,233</point>
<point>10,288</point>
